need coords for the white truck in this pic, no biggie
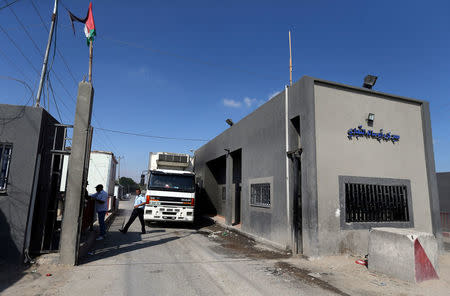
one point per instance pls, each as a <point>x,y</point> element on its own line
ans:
<point>170,196</point>
<point>102,170</point>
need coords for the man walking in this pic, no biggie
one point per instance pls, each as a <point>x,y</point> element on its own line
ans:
<point>138,211</point>
<point>100,207</point>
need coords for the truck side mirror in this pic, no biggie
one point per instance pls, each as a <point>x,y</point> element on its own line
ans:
<point>142,180</point>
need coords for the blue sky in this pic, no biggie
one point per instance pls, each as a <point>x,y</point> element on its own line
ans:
<point>180,68</point>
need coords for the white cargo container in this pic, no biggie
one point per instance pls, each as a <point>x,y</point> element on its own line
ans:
<point>118,191</point>
<point>102,170</point>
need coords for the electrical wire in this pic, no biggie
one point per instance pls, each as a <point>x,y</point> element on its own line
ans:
<point>25,30</point>
<point>57,49</point>
<point>14,64</point>
<point>50,68</point>
<point>150,136</point>
<point>183,57</point>
<point>54,100</point>
<point>5,120</point>
<point>19,49</point>
<point>106,137</point>
<point>8,4</point>
<point>36,47</point>
<point>24,83</point>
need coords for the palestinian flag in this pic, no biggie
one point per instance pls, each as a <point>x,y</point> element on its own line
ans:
<point>89,25</point>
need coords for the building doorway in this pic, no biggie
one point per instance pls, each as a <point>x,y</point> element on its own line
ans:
<point>297,192</point>
<point>237,183</point>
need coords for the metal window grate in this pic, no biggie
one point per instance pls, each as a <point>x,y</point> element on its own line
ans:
<point>173,158</point>
<point>5,159</point>
<point>376,203</point>
<point>260,195</point>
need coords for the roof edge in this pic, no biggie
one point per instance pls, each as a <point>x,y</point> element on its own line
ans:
<point>366,90</point>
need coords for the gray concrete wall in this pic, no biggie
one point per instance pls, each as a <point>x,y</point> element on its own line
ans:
<point>213,182</point>
<point>261,135</point>
<point>443,180</point>
<point>301,104</point>
<point>20,126</point>
<point>337,110</point>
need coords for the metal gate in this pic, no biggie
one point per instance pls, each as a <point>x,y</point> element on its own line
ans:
<point>52,225</point>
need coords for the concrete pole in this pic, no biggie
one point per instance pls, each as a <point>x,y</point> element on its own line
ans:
<point>229,190</point>
<point>76,176</point>
<point>119,158</point>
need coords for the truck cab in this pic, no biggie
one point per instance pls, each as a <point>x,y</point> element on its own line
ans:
<point>170,196</point>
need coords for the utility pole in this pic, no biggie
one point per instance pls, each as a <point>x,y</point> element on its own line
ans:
<point>44,65</point>
<point>118,159</point>
<point>290,59</point>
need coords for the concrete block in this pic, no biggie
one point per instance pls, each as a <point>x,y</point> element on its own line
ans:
<point>403,253</point>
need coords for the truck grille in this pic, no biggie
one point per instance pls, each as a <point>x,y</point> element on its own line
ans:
<point>172,199</point>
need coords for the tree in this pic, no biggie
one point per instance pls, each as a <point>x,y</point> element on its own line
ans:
<point>129,186</point>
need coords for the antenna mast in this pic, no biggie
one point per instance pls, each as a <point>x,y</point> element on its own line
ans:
<point>290,59</point>
<point>47,50</point>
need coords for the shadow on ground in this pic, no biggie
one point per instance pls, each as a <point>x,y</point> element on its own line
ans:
<point>10,274</point>
<point>117,243</point>
<point>11,268</point>
<point>199,223</point>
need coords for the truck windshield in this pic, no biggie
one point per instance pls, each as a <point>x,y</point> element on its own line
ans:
<point>171,182</point>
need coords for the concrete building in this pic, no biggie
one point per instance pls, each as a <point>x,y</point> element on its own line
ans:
<point>321,163</point>
<point>443,181</point>
<point>29,179</point>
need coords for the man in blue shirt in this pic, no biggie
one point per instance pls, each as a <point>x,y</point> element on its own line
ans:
<point>138,211</point>
<point>101,207</point>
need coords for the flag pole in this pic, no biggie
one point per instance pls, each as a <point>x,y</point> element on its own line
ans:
<point>91,49</point>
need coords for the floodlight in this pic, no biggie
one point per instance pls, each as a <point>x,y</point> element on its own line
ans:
<point>369,81</point>
<point>370,119</point>
<point>229,121</point>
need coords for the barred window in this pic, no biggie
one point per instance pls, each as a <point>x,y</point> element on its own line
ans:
<point>5,159</point>
<point>260,195</point>
<point>376,203</point>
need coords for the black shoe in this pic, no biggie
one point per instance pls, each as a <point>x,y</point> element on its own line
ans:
<point>123,231</point>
